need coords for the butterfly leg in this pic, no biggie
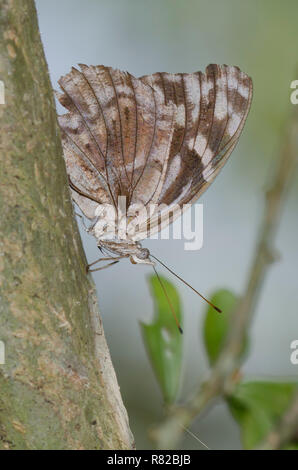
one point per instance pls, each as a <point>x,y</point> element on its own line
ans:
<point>94,222</point>
<point>83,221</point>
<point>103,267</point>
<point>115,260</point>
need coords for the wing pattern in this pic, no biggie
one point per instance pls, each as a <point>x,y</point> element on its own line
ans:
<point>158,139</point>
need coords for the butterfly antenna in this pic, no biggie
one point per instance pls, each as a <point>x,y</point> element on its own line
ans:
<point>186,283</point>
<point>169,301</point>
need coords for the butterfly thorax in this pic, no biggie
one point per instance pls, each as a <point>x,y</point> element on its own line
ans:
<point>110,230</point>
<point>127,249</point>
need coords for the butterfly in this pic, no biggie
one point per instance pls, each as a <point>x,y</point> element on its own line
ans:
<point>158,140</point>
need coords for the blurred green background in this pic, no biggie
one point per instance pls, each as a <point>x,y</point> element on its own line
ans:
<point>142,37</point>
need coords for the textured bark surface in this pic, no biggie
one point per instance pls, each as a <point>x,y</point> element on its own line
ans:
<point>58,389</point>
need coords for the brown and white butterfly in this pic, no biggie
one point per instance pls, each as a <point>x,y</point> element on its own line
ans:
<point>158,139</point>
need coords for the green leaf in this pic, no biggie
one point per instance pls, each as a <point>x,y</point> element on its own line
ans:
<point>257,407</point>
<point>292,446</point>
<point>163,340</point>
<point>216,325</point>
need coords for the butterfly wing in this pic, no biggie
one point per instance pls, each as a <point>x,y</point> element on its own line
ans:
<point>211,112</point>
<point>116,136</point>
<point>158,139</point>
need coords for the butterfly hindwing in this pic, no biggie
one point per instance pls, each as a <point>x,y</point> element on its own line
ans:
<point>117,129</point>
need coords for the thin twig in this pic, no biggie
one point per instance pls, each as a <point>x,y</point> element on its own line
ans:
<point>222,376</point>
<point>286,431</point>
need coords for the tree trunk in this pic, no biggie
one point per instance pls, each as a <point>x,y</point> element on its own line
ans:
<point>58,386</point>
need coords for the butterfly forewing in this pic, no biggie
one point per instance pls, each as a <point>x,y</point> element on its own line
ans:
<point>211,110</point>
<point>207,127</point>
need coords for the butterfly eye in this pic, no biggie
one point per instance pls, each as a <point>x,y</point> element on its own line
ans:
<point>144,253</point>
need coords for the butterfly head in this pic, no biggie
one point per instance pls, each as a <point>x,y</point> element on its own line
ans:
<point>141,256</point>
<point>127,249</point>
